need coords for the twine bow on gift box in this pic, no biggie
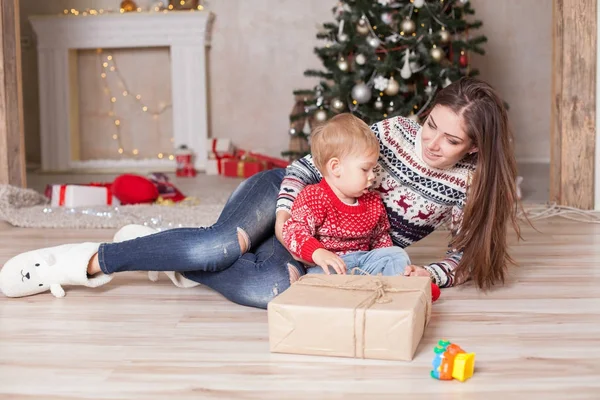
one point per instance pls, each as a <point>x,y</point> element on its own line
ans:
<point>379,291</point>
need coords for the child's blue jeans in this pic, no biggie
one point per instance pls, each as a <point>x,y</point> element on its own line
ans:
<point>387,261</point>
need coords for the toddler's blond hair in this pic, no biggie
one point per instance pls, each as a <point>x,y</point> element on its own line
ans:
<point>341,136</point>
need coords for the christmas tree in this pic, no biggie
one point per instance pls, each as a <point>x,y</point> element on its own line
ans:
<point>385,58</point>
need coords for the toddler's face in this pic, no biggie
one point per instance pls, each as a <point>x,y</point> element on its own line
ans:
<point>357,174</point>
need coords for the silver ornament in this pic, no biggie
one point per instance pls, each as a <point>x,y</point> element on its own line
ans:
<point>342,38</point>
<point>408,26</point>
<point>362,27</point>
<point>361,93</point>
<point>406,73</point>
<point>437,54</point>
<point>419,3</point>
<point>390,109</point>
<point>360,59</point>
<point>320,115</point>
<point>342,64</point>
<point>306,128</point>
<point>387,18</point>
<point>428,89</point>
<point>378,104</point>
<point>414,65</point>
<point>460,3</point>
<point>373,42</point>
<point>393,87</point>
<point>444,36</point>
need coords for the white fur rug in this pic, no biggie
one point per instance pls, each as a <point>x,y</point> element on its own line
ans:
<point>28,208</point>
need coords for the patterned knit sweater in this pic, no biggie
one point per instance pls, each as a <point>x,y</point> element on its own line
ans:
<point>417,197</point>
<point>320,220</point>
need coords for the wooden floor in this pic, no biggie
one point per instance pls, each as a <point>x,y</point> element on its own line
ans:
<point>538,337</point>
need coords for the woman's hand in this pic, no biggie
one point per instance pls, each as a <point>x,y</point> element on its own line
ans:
<point>325,259</point>
<point>413,270</point>
<point>280,219</point>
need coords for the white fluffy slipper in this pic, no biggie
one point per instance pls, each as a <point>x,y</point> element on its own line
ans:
<point>129,232</point>
<point>36,271</point>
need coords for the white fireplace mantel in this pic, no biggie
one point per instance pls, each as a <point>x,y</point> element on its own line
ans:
<point>186,33</point>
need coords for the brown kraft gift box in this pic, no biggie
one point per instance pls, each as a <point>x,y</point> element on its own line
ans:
<point>351,316</point>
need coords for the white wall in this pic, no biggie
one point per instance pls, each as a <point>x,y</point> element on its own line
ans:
<point>518,63</point>
<point>262,47</point>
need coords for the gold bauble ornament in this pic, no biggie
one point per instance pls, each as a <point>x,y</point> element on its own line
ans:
<point>342,64</point>
<point>337,104</point>
<point>437,54</point>
<point>128,6</point>
<point>321,115</point>
<point>444,36</point>
<point>373,42</point>
<point>360,59</point>
<point>408,26</point>
<point>393,87</point>
<point>362,27</point>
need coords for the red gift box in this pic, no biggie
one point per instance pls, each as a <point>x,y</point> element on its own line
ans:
<point>215,163</point>
<point>220,146</point>
<point>81,195</point>
<point>242,168</point>
<point>271,162</point>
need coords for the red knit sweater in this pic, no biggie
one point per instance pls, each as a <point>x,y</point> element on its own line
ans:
<point>321,220</point>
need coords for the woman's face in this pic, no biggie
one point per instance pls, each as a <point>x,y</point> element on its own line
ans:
<point>444,141</point>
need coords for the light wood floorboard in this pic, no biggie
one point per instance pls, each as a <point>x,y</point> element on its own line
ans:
<point>536,337</point>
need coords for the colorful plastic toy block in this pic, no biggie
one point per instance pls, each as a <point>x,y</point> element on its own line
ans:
<point>452,362</point>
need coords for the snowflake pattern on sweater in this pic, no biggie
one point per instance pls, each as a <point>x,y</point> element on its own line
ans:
<point>321,220</point>
<point>418,198</point>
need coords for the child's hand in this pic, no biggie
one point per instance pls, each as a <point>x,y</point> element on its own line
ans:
<point>413,270</point>
<point>325,259</point>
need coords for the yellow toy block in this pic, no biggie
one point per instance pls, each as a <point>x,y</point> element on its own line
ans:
<point>464,365</point>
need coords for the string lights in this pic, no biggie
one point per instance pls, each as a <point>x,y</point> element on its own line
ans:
<point>156,8</point>
<point>108,65</point>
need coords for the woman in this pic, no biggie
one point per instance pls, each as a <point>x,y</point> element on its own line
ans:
<point>424,176</point>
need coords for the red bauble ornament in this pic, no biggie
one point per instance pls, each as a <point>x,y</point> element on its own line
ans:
<point>435,292</point>
<point>463,60</point>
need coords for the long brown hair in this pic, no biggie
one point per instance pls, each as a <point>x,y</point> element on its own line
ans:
<point>492,195</point>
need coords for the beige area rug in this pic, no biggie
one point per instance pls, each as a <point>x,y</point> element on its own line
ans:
<point>28,208</point>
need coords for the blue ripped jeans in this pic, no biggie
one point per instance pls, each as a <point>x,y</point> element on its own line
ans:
<point>387,261</point>
<point>212,255</point>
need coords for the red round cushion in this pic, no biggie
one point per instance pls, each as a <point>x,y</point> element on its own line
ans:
<point>134,189</point>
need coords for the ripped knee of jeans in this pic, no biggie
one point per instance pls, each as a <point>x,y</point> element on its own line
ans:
<point>244,240</point>
<point>294,273</point>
